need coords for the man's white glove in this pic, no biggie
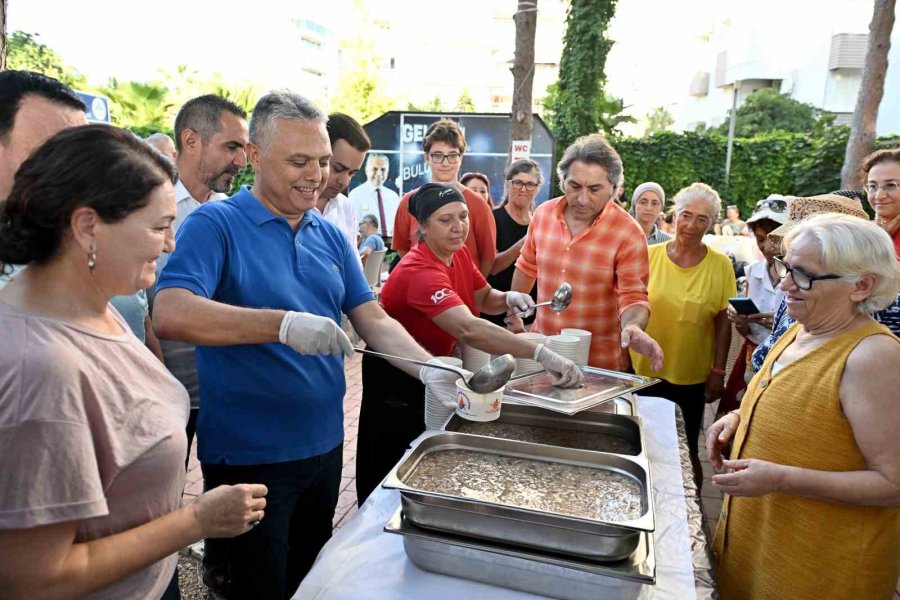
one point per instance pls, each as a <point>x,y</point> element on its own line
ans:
<point>311,334</point>
<point>567,372</point>
<point>521,304</point>
<point>442,383</point>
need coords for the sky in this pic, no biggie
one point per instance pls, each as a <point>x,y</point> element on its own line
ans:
<point>655,55</point>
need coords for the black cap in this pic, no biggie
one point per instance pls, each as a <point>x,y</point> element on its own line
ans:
<point>431,197</point>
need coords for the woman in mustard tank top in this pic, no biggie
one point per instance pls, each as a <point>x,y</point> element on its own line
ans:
<point>813,484</point>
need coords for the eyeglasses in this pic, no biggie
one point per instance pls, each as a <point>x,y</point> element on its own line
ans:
<point>803,279</point>
<point>889,188</point>
<point>774,205</point>
<point>520,185</point>
<point>440,157</point>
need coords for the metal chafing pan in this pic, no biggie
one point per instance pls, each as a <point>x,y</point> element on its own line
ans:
<point>591,538</point>
<point>595,431</point>
<point>525,570</point>
<point>600,386</point>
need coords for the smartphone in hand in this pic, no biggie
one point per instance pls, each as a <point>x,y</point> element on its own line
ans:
<point>744,306</point>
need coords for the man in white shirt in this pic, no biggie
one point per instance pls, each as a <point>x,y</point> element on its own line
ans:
<point>374,198</point>
<point>210,135</point>
<point>33,108</point>
<point>349,144</point>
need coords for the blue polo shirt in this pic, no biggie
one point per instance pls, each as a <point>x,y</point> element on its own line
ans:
<point>265,403</point>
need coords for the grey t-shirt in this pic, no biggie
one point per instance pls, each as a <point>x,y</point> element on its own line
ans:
<point>92,431</point>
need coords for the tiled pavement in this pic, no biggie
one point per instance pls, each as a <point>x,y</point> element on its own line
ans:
<point>711,498</point>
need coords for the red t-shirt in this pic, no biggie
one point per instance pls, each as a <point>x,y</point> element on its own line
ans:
<point>421,287</point>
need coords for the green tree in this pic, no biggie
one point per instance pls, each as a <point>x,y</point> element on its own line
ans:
<point>579,99</point>
<point>134,103</point>
<point>361,91</point>
<point>433,105</point>
<point>245,95</point>
<point>766,110</point>
<point>609,112</point>
<point>465,103</point>
<point>26,53</point>
<point>658,121</point>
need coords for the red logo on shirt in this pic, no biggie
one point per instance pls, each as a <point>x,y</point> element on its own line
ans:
<point>440,295</point>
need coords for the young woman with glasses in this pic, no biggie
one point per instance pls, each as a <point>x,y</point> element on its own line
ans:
<point>523,179</point>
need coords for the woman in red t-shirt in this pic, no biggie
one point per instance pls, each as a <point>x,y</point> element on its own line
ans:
<point>435,292</point>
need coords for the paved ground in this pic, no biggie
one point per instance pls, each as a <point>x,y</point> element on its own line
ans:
<point>346,508</point>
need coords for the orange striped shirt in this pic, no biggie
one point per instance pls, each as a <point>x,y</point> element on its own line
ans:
<point>606,265</point>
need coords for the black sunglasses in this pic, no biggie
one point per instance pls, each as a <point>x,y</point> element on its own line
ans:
<point>803,279</point>
<point>775,205</point>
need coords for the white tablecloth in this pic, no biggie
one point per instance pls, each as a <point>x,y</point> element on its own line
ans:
<point>363,562</point>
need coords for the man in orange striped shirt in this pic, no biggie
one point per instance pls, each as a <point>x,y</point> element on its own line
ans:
<point>589,241</point>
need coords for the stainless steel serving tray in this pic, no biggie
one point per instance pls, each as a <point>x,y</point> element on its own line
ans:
<point>600,385</point>
<point>525,570</point>
<point>537,425</point>
<point>556,532</point>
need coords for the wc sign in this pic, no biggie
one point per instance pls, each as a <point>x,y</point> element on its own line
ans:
<point>521,149</point>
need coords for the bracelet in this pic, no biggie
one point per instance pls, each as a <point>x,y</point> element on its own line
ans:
<point>717,370</point>
<point>537,351</point>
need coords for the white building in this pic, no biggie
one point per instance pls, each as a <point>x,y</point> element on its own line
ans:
<point>440,51</point>
<point>812,51</point>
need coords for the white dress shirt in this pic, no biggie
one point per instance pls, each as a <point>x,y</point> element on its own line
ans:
<point>365,200</point>
<point>339,210</point>
<point>185,204</point>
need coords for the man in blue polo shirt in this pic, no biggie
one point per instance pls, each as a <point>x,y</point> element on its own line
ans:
<point>258,282</point>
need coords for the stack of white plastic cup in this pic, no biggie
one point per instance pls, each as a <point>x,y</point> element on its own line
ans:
<point>527,365</point>
<point>584,344</point>
<point>436,414</point>
<point>473,358</point>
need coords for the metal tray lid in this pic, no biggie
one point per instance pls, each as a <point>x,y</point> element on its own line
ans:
<point>600,385</point>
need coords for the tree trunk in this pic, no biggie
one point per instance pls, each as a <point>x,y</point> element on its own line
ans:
<point>2,35</point>
<point>871,91</point>
<point>521,120</point>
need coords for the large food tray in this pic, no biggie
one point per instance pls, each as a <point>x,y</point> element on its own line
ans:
<point>595,431</point>
<point>525,570</point>
<point>599,386</point>
<point>553,531</point>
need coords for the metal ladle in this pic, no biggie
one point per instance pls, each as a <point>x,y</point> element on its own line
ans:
<point>561,300</point>
<point>488,378</point>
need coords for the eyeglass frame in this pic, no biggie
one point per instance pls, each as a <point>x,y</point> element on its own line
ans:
<point>788,270</point>
<point>520,185</point>
<point>450,161</point>
<point>871,192</point>
<point>770,203</point>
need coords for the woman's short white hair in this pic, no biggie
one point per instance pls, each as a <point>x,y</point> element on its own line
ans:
<point>851,247</point>
<point>700,191</point>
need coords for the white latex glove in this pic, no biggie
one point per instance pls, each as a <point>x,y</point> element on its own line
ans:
<point>520,304</point>
<point>311,334</point>
<point>442,383</point>
<point>567,372</point>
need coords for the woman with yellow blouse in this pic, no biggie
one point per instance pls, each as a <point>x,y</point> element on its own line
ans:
<point>690,284</point>
<point>813,484</point>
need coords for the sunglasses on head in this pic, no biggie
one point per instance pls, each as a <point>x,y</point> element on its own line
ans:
<point>775,205</point>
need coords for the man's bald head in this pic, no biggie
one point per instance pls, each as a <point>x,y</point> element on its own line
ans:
<point>163,143</point>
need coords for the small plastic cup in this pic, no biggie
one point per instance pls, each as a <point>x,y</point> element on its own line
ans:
<point>477,407</point>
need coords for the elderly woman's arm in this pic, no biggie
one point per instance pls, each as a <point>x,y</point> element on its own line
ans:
<point>869,400</point>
